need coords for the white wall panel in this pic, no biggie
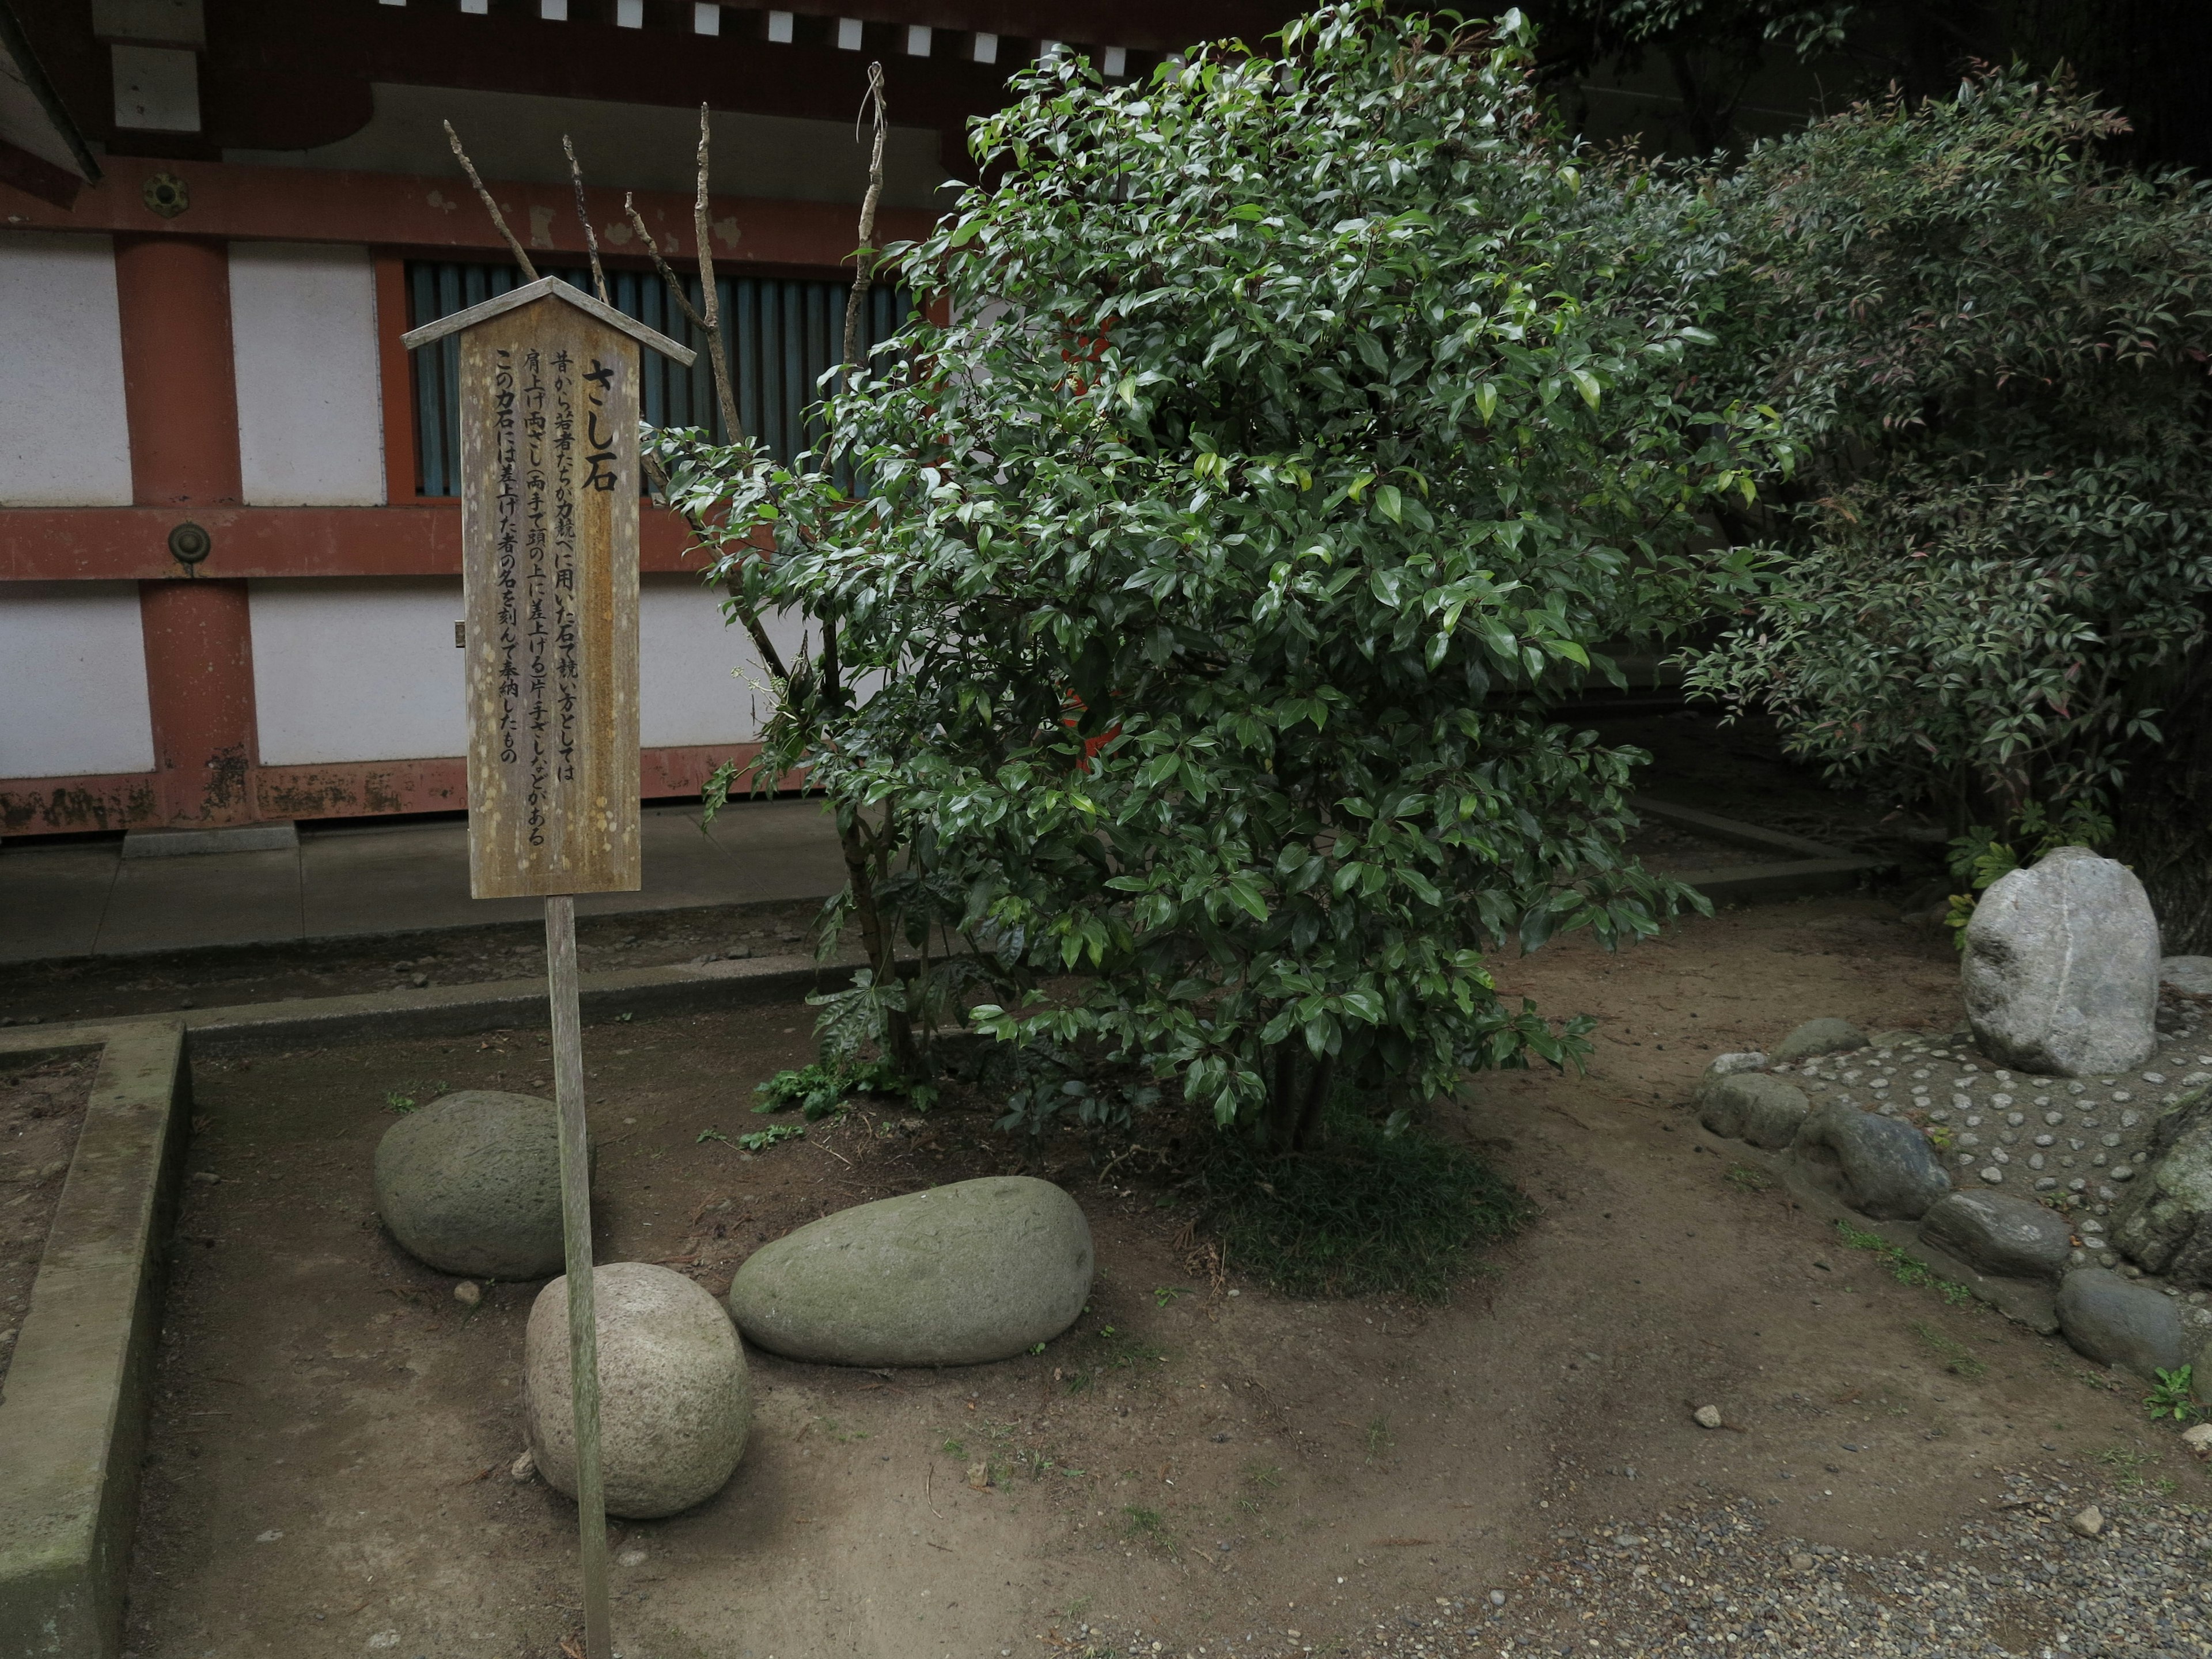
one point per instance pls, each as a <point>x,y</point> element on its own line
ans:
<point>72,680</point>
<point>64,439</point>
<point>697,678</point>
<point>310,415</point>
<point>356,669</point>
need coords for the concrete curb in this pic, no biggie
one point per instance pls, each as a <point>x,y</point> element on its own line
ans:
<point>485,1005</point>
<point>73,1417</point>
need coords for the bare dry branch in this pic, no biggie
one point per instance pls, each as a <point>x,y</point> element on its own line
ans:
<point>584,217</point>
<point>864,273</point>
<point>529,270</point>
<point>675,283</point>
<point>702,229</point>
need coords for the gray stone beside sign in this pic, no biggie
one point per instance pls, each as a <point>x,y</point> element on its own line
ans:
<point>975,1271</point>
<point>675,1398</point>
<point>2062,965</point>
<point>471,1184</point>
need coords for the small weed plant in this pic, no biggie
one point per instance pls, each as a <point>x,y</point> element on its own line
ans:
<point>1746,1179</point>
<point>2172,1396</point>
<point>411,1094</point>
<point>817,1090</point>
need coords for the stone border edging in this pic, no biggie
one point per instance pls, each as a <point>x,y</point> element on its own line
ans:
<point>73,1409</point>
<point>463,1010</point>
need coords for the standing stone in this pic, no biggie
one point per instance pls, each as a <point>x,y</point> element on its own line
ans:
<point>2012,1237</point>
<point>2119,1322</point>
<point>1881,1166</point>
<point>2062,966</point>
<point>2167,1221</point>
<point>471,1184</point>
<point>1820,1036</point>
<point>1755,1107</point>
<point>675,1400</point>
<point>973,1271</point>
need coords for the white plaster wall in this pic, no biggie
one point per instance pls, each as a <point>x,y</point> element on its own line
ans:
<point>72,680</point>
<point>310,411</point>
<point>347,670</point>
<point>698,679</point>
<point>64,440</point>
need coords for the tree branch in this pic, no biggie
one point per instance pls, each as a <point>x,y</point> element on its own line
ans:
<point>529,270</point>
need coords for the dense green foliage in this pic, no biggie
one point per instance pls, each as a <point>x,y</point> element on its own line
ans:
<point>1993,347</point>
<point>1301,429</point>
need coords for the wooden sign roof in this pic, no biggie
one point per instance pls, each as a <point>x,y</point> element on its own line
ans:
<point>547,288</point>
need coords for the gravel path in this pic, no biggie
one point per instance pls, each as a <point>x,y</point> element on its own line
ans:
<point>2019,1585</point>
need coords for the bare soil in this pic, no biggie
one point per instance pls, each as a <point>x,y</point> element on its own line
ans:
<point>41,1108</point>
<point>1197,1464</point>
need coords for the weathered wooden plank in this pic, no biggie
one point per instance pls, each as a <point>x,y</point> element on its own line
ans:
<point>548,513</point>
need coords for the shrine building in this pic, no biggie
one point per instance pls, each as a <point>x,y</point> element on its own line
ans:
<point>229,536</point>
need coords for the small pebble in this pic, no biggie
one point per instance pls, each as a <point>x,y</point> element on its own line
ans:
<point>2086,1523</point>
<point>468,1293</point>
<point>1707,1417</point>
<point>525,1467</point>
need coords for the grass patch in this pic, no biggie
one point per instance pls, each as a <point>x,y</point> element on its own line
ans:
<point>1380,1441</point>
<point>1746,1179</point>
<point>2127,1467</point>
<point>1366,1212</point>
<point>1956,1360</point>
<point>1148,1527</point>
<point>1905,1269</point>
<point>1109,1348</point>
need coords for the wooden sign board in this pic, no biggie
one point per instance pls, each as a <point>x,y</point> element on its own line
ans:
<point>549,420</point>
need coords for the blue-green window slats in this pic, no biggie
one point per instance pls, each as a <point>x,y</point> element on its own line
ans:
<point>782,334</point>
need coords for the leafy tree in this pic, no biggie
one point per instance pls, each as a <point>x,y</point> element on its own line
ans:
<point>1994,344</point>
<point>1302,427</point>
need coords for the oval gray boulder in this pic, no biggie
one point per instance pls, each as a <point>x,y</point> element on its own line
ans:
<point>1881,1166</point>
<point>675,1398</point>
<point>975,1271</point>
<point>1820,1036</point>
<point>2061,967</point>
<point>471,1184</point>
<point>2011,1237</point>
<point>2118,1322</point>
<point>1753,1106</point>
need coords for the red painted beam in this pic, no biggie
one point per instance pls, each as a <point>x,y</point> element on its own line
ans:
<point>95,544</point>
<point>400,210</point>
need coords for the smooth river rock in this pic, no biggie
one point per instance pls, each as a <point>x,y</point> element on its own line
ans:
<point>959,1274</point>
<point>2120,1322</point>
<point>1753,1106</point>
<point>1881,1166</point>
<point>2189,974</point>
<point>471,1184</point>
<point>1820,1036</point>
<point>2061,970</point>
<point>675,1400</point>
<point>2014,1238</point>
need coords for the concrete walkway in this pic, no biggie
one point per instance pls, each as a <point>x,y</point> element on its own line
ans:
<point>61,901</point>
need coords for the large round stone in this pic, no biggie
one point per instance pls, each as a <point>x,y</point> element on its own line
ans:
<point>675,1400</point>
<point>2120,1322</point>
<point>471,1184</point>
<point>978,1270</point>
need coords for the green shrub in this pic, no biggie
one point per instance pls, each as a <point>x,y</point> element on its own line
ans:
<point>1302,427</point>
<point>1991,346</point>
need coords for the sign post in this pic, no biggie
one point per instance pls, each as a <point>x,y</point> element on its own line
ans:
<point>548,394</point>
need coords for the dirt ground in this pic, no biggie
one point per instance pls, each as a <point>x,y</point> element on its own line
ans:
<point>41,1108</point>
<point>1197,1467</point>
